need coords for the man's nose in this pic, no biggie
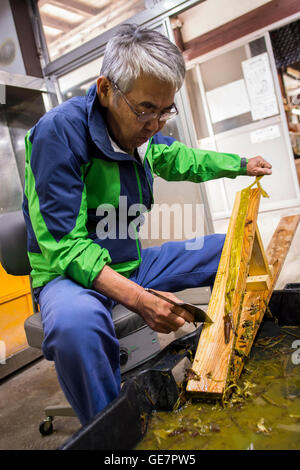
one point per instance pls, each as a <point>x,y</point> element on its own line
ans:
<point>154,125</point>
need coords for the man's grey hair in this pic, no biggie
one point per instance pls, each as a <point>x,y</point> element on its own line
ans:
<point>135,50</point>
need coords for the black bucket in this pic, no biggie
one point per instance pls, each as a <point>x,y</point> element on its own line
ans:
<point>285,305</point>
<point>122,424</point>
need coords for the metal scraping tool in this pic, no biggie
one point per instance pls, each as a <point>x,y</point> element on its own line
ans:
<point>199,314</point>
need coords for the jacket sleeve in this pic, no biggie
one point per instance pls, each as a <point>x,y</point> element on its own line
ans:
<point>57,204</point>
<point>174,161</point>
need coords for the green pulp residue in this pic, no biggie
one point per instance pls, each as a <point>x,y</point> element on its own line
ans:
<point>235,252</point>
<point>263,411</point>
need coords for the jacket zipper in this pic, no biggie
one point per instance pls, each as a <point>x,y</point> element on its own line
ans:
<point>144,164</point>
<point>141,202</point>
<point>141,194</point>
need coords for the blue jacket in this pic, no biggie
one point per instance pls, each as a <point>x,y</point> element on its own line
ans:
<point>72,169</point>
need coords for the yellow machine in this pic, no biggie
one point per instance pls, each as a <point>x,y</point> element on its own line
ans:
<point>15,307</point>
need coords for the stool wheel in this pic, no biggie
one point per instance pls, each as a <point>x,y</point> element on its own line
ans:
<point>46,426</point>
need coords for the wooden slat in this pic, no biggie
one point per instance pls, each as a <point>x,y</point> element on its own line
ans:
<point>213,354</point>
<point>259,277</point>
<point>259,263</point>
<point>255,303</point>
<point>258,283</point>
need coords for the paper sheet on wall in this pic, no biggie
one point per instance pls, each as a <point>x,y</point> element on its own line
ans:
<point>260,87</point>
<point>228,101</point>
<point>266,133</point>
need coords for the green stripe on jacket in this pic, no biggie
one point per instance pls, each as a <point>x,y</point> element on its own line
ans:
<point>74,255</point>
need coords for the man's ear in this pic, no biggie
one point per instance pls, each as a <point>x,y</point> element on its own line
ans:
<point>104,90</point>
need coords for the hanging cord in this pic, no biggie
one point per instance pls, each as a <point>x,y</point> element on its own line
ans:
<point>257,181</point>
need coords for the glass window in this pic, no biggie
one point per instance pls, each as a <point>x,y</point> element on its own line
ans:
<point>218,72</point>
<point>77,82</point>
<point>68,24</point>
<point>226,85</point>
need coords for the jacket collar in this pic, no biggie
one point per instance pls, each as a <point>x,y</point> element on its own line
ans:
<point>98,129</point>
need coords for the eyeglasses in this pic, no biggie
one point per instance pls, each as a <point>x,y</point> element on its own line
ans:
<point>143,116</point>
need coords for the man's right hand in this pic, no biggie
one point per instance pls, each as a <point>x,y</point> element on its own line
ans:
<point>258,166</point>
<point>160,315</point>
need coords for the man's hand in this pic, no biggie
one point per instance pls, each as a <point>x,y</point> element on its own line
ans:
<point>160,315</point>
<point>257,166</point>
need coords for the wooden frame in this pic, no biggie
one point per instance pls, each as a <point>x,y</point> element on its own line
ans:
<point>243,286</point>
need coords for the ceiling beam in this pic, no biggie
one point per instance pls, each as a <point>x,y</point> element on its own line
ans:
<point>117,9</point>
<point>57,23</point>
<point>116,12</point>
<point>74,6</point>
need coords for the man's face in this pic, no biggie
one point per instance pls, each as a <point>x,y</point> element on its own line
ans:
<point>148,94</point>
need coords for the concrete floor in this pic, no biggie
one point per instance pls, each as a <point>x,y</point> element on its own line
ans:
<point>24,395</point>
<point>23,398</point>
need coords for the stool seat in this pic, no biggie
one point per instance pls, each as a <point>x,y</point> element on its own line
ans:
<point>125,322</point>
<point>34,330</point>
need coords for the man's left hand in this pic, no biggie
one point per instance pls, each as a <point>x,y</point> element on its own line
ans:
<point>257,166</point>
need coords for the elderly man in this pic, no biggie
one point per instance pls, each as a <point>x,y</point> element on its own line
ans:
<point>91,151</point>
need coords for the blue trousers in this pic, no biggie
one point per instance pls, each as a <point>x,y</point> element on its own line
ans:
<point>79,334</point>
